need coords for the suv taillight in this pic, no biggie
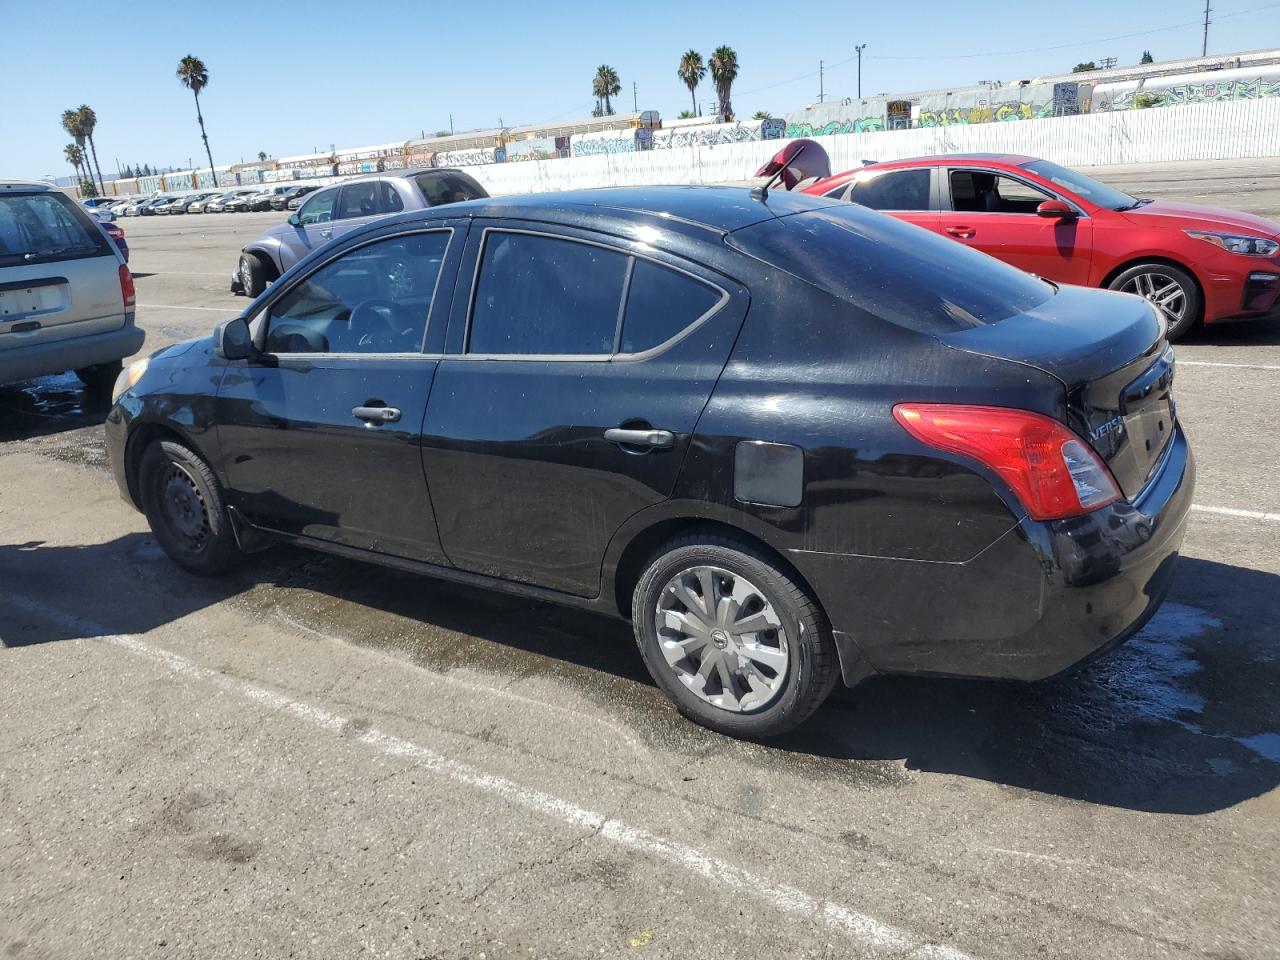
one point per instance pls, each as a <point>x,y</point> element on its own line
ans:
<point>127,293</point>
<point>1051,470</point>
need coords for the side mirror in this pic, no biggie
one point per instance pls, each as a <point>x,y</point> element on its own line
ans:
<point>232,340</point>
<point>1056,210</point>
<point>294,221</point>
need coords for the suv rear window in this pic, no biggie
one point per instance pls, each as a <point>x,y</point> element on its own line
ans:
<point>892,270</point>
<point>47,227</point>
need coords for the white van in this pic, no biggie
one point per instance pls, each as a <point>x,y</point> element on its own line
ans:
<point>66,294</point>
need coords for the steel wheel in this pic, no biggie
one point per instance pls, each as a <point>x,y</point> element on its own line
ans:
<point>184,508</point>
<point>1162,290</point>
<point>722,638</point>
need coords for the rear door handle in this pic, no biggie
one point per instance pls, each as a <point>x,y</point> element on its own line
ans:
<point>964,233</point>
<point>657,439</point>
<point>376,414</point>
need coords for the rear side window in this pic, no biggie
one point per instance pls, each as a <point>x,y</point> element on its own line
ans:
<point>447,187</point>
<point>358,200</point>
<point>539,295</point>
<point>47,227</point>
<point>660,303</point>
<point>390,197</point>
<point>893,190</point>
<point>893,270</point>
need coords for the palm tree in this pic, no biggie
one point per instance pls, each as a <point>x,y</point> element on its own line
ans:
<point>88,122</point>
<point>262,156</point>
<point>195,77</point>
<point>606,85</point>
<point>724,70</point>
<point>75,157</point>
<point>690,71</point>
<point>71,124</point>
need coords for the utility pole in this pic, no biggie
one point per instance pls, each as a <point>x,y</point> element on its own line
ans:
<point>451,124</point>
<point>820,93</point>
<point>635,97</point>
<point>1204,47</point>
<point>860,47</point>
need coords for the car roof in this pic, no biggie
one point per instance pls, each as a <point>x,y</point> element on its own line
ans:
<point>720,209</point>
<point>23,185</point>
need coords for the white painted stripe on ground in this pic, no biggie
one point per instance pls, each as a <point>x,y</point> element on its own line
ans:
<point>179,306</point>
<point>868,931</point>
<point>1216,363</point>
<point>1235,512</point>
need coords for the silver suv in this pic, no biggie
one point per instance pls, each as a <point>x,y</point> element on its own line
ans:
<point>66,295</point>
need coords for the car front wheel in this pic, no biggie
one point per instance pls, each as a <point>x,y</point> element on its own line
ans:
<point>732,638</point>
<point>183,503</point>
<point>253,274</point>
<point>1170,288</point>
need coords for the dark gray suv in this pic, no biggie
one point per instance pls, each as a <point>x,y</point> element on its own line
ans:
<point>338,209</point>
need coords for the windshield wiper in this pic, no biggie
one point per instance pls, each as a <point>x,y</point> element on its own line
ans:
<point>56,251</point>
<point>1133,206</point>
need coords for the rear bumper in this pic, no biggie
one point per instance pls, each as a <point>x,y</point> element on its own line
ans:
<point>37,360</point>
<point>1042,599</point>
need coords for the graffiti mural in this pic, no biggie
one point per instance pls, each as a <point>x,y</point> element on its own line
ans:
<point>534,148</point>
<point>1209,91</point>
<point>466,158</point>
<point>1000,113</point>
<point>604,142</point>
<point>855,125</point>
<point>709,135</point>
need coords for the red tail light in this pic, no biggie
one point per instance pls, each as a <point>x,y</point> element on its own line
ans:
<point>1051,470</point>
<point>127,293</point>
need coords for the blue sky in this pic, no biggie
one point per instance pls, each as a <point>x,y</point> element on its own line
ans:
<point>289,77</point>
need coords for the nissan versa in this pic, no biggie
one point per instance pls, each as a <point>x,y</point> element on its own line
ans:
<point>793,440</point>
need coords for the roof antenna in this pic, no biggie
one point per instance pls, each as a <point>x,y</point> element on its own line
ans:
<point>762,193</point>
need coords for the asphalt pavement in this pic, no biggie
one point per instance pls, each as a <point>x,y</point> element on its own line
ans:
<point>317,758</point>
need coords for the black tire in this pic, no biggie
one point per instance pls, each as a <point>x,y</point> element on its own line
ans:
<point>101,377</point>
<point>183,503</point>
<point>253,274</point>
<point>1193,311</point>
<point>812,667</point>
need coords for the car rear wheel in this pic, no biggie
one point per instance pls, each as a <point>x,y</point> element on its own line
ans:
<point>732,638</point>
<point>101,377</point>
<point>1170,288</point>
<point>183,503</point>
<point>253,274</point>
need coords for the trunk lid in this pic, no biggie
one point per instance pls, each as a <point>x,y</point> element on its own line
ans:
<point>1108,351</point>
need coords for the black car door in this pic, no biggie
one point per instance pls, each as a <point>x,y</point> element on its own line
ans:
<point>576,371</point>
<point>320,433</point>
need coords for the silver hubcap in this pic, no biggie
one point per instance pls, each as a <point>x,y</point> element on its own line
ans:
<point>722,638</point>
<point>1165,292</point>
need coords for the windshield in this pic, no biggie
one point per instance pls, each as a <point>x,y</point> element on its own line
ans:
<point>892,270</point>
<point>42,227</point>
<point>1084,187</point>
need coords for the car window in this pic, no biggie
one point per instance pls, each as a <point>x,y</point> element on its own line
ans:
<point>47,227</point>
<point>390,197</point>
<point>319,209</point>
<point>446,187</point>
<point>892,190</point>
<point>980,191</point>
<point>373,299</point>
<point>660,303</point>
<point>540,295</point>
<point>358,200</point>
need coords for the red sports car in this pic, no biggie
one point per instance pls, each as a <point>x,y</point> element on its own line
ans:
<point>1198,264</point>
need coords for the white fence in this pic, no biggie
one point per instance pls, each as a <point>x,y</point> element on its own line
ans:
<point>1203,131</point>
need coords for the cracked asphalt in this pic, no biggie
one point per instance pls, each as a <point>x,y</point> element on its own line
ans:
<point>315,758</point>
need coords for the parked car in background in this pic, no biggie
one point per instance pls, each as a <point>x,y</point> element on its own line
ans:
<point>201,205</point>
<point>116,233</point>
<point>297,199</point>
<point>219,204</point>
<point>117,206</point>
<point>241,203</point>
<point>149,206</point>
<point>604,398</point>
<point>170,205</point>
<point>1197,264</point>
<point>262,199</point>
<point>337,209</point>
<point>293,198</point>
<point>95,203</point>
<point>194,198</point>
<point>66,293</point>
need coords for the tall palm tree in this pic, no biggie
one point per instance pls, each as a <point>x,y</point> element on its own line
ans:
<point>724,70</point>
<point>71,124</point>
<point>690,71</point>
<point>75,157</point>
<point>88,122</point>
<point>195,77</point>
<point>606,85</point>
<point>262,156</point>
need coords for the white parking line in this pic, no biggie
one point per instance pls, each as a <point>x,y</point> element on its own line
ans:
<point>180,306</point>
<point>1235,512</point>
<point>1236,366</point>
<point>868,931</point>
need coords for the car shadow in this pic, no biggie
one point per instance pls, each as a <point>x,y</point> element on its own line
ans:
<point>1183,719</point>
<point>49,405</point>
<point>1246,333</point>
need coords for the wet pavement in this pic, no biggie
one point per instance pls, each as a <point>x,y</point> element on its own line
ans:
<point>313,757</point>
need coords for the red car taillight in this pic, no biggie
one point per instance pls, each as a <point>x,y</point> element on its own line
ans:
<point>1051,470</point>
<point>127,293</point>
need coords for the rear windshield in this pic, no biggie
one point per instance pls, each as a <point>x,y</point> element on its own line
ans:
<point>892,270</point>
<point>46,227</point>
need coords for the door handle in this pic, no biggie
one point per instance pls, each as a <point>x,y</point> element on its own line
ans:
<point>326,234</point>
<point>376,414</point>
<point>964,233</point>
<point>657,439</point>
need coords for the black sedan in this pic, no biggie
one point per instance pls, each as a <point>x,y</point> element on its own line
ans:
<point>282,200</point>
<point>790,439</point>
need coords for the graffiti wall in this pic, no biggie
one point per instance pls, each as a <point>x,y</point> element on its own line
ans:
<point>534,148</point>
<point>709,135</point>
<point>1209,87</point>
<point>608,141</point>
<point>467,158</point>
